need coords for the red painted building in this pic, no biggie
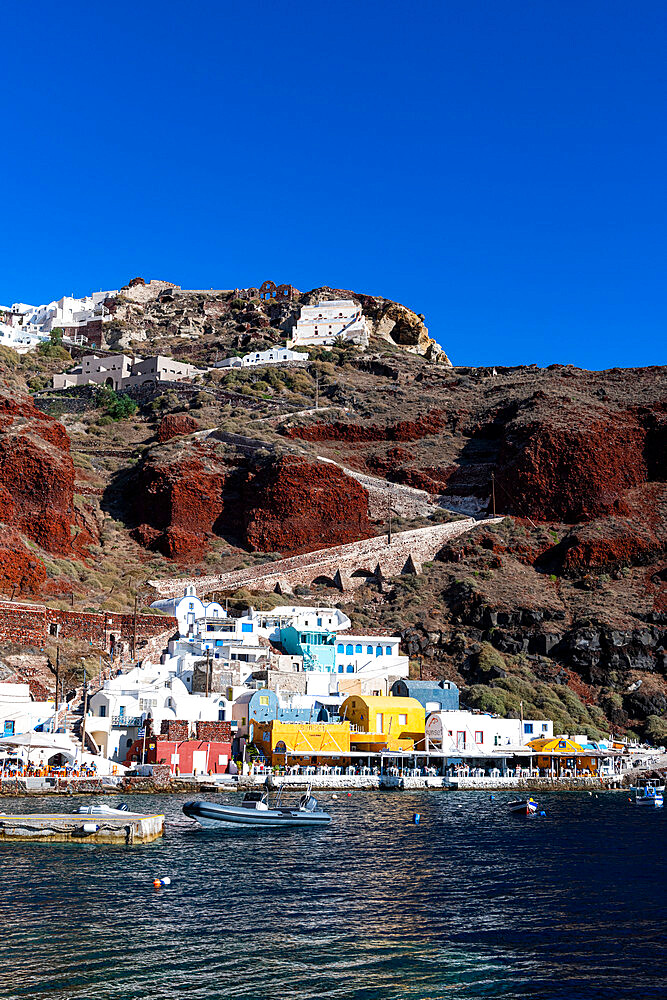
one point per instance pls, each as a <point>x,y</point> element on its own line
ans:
<point>182,756</point>
<point>209,752</point>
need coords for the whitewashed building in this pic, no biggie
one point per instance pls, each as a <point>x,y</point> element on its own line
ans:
<point>479,733</point>
<point>151,690</point>
<point>327,322</point>
<point>19,713</point>
<point>273,356</point>
<point>119,371</point>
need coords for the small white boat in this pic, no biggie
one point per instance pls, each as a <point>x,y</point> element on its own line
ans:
<point>103,810</point>
<point>255,810</point>
<point>523,807</point>
<point>651,795</point>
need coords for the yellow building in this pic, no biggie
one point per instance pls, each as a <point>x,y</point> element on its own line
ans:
<point>384,723</point>
<point>561,755</point>
<point>281,742</point>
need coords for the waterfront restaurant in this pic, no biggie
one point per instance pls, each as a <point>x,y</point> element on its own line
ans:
<point>562,757</point>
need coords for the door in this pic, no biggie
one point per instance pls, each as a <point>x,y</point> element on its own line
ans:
<point>199,761</point>
<point>378,722</point>
<point>460,741</point>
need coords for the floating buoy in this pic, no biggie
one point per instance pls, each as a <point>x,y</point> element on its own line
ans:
<point>542,813</point>
<point>493,798</point>
<point>156,883</point>
<point>415,819</point>
<point>166,881</point>
<point>349,795</point>
<point>334,796</point>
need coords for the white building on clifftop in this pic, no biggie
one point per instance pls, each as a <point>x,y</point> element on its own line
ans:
<point>327,322</point>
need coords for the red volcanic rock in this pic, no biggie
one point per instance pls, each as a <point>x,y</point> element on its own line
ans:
<point>183,496</point>
<point>37,475</point>
<point>570,466</point>
<point>174,424</point>
<point>20,569</point>
<point>607,543</point>
<point>405,430</point>
<point>292,506</point>
<point>175,543</point>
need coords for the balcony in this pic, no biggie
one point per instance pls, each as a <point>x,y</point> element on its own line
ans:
<point>126,721</point>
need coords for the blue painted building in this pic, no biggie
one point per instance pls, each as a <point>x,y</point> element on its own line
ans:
<point>316,646</point>
<point>263,705</point>
<point>435,696</point>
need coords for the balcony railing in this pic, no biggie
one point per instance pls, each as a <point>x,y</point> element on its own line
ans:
<point>126,721</point>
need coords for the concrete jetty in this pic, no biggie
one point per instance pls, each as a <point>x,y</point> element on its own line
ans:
<point>132,828</point>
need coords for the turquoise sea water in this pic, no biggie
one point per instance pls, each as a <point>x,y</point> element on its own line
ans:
<point>470,903</point>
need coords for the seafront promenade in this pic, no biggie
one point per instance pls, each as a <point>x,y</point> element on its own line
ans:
<point>206,784</point>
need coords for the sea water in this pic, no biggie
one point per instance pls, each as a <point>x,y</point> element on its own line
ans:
<point>472,902</point>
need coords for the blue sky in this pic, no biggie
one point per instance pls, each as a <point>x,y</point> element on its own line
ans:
<point>498,166</point>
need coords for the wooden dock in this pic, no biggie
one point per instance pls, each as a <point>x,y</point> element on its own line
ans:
<point>82,828</point>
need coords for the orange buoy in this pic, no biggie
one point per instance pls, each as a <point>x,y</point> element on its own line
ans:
<point>157,883</point>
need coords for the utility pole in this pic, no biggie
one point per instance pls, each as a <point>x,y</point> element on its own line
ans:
<point>317,389</point>
<point>57,681</point>
<point>134,630</point>
<point>208,659</point>
<point>389,513</point>
<point>85,708</point>
<point>493,494</point>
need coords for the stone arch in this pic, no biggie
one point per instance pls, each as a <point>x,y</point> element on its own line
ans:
<point>109,382</point>
<point>324,581</point>
<point>362,573</point>
<point>267,290</point>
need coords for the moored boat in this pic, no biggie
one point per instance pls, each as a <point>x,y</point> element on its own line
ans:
<point>523,807</point>
<point>255,810</point>
<point>651,795</point>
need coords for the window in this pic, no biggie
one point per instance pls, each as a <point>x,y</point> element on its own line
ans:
<point>246,626</point>
<point>358,648</point>
<point>348,649</point>
<point>340,668</point>
<point>264,700</point>
<point>221,715</point>
<point>461,740</point>
<point>496,741</point>
<point>103,711</point>
<point>340,648</point>
<point>528,727</point>
<point>191,606</point>
<point>54,629</point>
<point>369,650</point>
<point>378,651</point>
<point>402,720</point>
<point>350,668</point>
<point>545,727</point>
<point>388,650</point>
<point>479,736</point>
<point>219,642</point>
<point>319,621</point>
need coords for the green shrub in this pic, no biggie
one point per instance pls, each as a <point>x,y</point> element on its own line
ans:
<point>656,730</point>
<point>49,350</point>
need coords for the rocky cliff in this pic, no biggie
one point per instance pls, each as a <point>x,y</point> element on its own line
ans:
<point>36,475</point>
<point>219,320</point>
<point>267,503</point>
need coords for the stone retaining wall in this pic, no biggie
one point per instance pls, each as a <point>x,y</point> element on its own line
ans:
<point>344,566</point>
